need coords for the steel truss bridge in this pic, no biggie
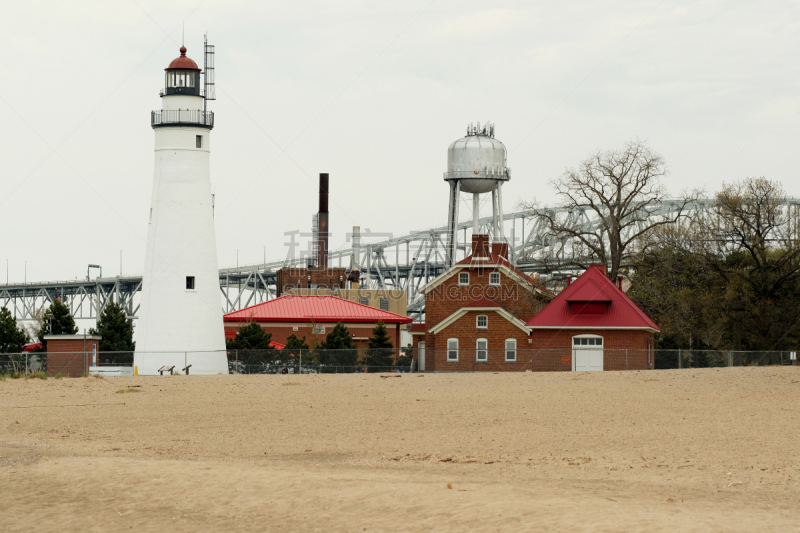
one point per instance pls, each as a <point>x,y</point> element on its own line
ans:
<point>407,262</point>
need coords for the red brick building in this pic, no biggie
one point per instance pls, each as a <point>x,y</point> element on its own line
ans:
<point>592,325</point>
<point>313,317</point>
<point>71,355</point>
<point>475,313</point>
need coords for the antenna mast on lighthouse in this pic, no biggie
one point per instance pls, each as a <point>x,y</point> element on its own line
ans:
<point>209,90</point>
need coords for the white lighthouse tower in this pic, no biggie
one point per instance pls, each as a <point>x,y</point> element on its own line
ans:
<point>180,318</point>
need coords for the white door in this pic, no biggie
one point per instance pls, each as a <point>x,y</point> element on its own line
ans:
<point>587,359</point>
<point>421,352</point>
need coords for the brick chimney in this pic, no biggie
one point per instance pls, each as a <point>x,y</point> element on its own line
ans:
<point>501,249</point>
<point>480,245</point>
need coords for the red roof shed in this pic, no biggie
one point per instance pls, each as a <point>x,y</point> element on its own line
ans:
<point>592,302</point>
<point>295,308</point>
<point>313,316</point>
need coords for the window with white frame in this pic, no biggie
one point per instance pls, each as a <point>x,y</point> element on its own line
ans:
<point>482,322</point>
<point>482,350</point>
<point>452,349</point>
<point>463,278</point>
<point>494,278</point>
<point>511,349</point>
<point>587,341</point>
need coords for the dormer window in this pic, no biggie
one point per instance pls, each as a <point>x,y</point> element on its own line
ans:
<point>588,308</point>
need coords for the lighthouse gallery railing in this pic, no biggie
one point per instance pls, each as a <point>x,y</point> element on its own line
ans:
<point>176,117</point>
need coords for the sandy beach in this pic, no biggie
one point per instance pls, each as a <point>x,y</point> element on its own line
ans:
<point>682,450</point>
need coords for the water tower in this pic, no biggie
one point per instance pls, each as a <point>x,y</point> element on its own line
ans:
<point>475,164</point>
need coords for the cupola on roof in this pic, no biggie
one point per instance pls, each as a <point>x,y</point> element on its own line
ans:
<point>183,62</point>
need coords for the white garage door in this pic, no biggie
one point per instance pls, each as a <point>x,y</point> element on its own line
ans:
<point>584,360</point>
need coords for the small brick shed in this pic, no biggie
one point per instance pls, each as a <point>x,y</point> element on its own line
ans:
<point>71,355</point>
<point>592,325</point>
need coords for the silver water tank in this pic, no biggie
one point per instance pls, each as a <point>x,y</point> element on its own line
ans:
<point>478,160</point>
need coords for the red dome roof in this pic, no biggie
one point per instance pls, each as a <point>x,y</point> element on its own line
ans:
<point>183,62</point>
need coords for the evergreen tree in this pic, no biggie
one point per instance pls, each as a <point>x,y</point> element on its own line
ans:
<point>12,336</point>
<point>251,337</point>
<point>338,348</point>
<point>57,321</point>
<point>252,345</point>
<point>293,343</point>
<point>294,349</point>
<point>116,331</point>
<point>380,350</point>
<point>406,358</point>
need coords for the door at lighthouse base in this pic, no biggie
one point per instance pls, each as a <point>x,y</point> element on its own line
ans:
<point>587,354</point>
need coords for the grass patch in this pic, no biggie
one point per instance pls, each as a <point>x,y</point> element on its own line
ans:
<point>40,374</point>
<point>129,389</point>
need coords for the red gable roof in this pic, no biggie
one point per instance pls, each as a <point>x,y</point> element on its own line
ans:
<point>592,286</point>
<point>591,291</point>
<point>304,308</point>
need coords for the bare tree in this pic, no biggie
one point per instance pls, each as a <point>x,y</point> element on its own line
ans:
<point>611,200</point>
<point>753,222</point>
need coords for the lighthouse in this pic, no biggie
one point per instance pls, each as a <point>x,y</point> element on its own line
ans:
<point>180,316</point>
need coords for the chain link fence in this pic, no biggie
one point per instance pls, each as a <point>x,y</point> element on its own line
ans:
<point>317,361</point>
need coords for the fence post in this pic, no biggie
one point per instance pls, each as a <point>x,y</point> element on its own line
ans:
<point>680,359</point>
<point>26,364</point>
<point>301,362</point>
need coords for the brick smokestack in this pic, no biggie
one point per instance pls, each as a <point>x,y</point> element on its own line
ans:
<point>322,223</point>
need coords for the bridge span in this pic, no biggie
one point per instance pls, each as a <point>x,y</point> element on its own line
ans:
<point>407,262</point>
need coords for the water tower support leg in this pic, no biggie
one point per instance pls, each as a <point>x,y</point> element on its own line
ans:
<point>500,210</point>
<point>476,215</point>
<point>495,236</point>
<point>452,222</point>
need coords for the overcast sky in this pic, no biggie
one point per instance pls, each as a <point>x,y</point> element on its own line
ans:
<point>373,93</point>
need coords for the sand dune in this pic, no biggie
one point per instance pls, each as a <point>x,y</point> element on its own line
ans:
<point>688,450</point>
